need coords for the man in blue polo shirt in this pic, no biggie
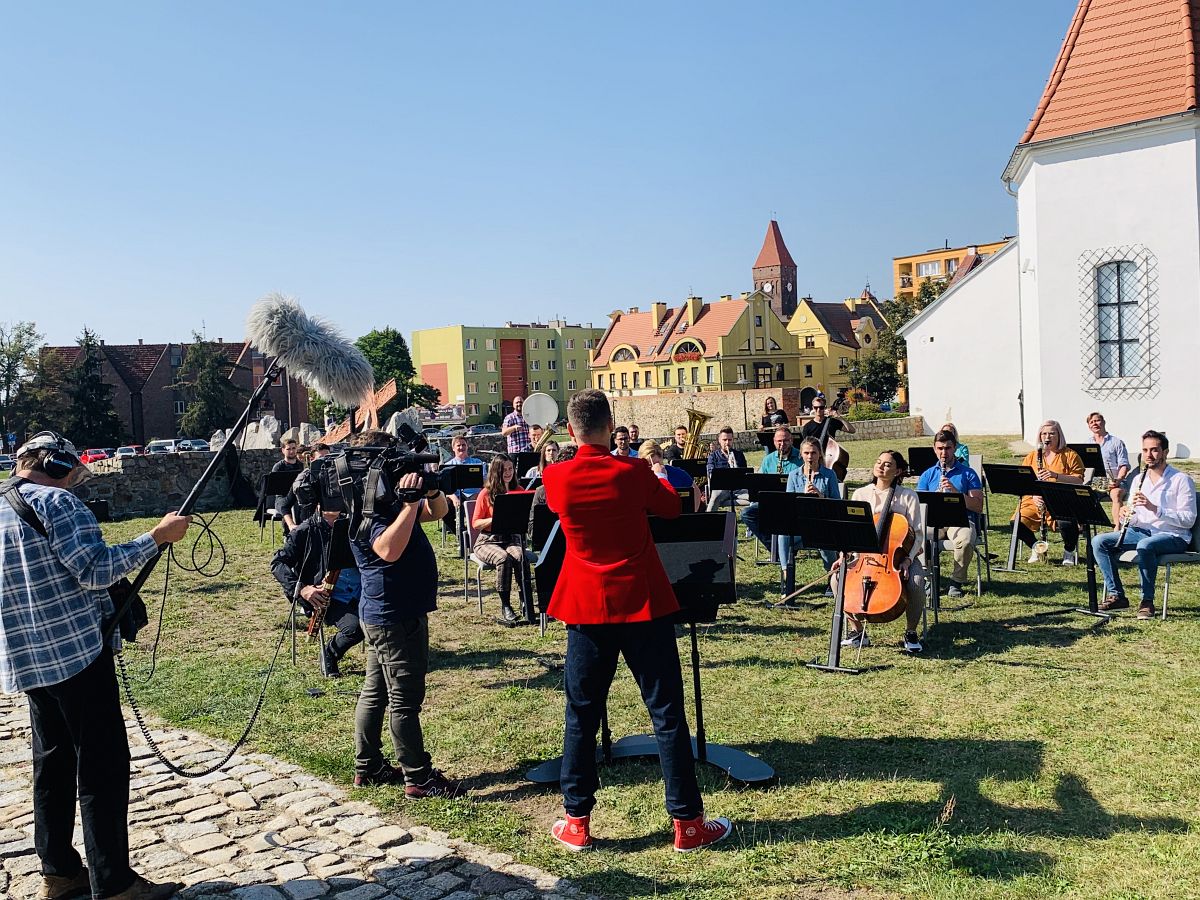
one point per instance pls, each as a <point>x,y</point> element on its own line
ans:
<point>951,475</point>
<point>399,577</point>
<point>784,460</point>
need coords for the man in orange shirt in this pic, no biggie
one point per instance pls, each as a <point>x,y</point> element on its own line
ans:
<point>615,599</point>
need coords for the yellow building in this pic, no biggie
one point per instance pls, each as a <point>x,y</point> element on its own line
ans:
<point>696,346</point>
<point>937,265</point>
<point>830,336</point>
<point>482,369</point>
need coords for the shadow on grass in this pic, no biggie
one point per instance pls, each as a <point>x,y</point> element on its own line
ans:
<point>965,640</point>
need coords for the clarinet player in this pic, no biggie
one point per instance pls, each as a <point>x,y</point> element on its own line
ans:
<point>952,475</point>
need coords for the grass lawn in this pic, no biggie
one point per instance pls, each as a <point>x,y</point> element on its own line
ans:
<point>1019,757</point>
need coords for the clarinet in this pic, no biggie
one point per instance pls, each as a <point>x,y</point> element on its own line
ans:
<point>1043,545</point>
<point>1136,491</point>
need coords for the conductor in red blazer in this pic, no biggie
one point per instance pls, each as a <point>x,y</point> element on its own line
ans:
<point>615,599</point>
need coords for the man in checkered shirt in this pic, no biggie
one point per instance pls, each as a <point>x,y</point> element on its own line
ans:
<point>53,600</point>
<point>516,429</point>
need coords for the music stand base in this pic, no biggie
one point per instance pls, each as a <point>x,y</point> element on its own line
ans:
<point>737,764</point>
<point>1071,610</point>
<point>825,667</point>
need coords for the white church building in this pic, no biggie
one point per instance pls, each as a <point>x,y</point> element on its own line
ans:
<point>1095,305</point>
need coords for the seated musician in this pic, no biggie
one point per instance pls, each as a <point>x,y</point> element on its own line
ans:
<point>539,496</point>
<point>304,559</point>
<point>1116,462</point>
<point>1162,512</point>
<point>623,441</point>
<point>822,426</point>
<point>500,550</point>
<point>635,439</point>
<point>549,451</point>
<point>672,475</point>
<point>817,480</point>
<point>784,460</point>
<point>461,456</point>
<point>675,450</point>
<point>772,414</point>
<point>725,456</point>
<point>1059,463</point>
<point>963,453</point>
<point>890,468</point>
<point>952,475</point>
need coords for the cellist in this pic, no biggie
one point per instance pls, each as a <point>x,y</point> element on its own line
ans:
<point>890,469</point>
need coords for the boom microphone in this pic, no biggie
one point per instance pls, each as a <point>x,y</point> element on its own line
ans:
<point>311,349</point>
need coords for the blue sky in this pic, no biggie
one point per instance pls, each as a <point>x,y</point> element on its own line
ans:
<point>163,164</point>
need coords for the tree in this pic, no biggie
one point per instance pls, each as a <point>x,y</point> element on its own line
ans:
<point>876,374</point>
<point>41,402</point>
<point>387,352</point>
<point>320,409</point>
<point>900,312</point>
<point>91,420</point>
<point>18,363</point>
<point>209,395</point>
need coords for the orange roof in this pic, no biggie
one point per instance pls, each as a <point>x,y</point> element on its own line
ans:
<point>1122,61</point>
<point>714,322</point>
<point>654,340</point>
<point>774,251</point>
<point>638,330</point>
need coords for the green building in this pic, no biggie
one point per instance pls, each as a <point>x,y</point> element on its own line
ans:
<point>483,369</point>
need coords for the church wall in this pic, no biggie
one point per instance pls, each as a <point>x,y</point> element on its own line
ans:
<point>1102,193</point>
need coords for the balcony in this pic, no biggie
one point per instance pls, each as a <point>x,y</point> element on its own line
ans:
<point>906,281</point>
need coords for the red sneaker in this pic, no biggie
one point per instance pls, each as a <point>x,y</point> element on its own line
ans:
<point>573,833</point>
<point>692,834</point>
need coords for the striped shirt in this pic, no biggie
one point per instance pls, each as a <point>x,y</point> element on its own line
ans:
<point>53,592</point>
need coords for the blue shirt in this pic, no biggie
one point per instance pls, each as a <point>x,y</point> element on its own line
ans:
<point>678,478</point>
<point>1114,454</point>
<point>54,590</point>
<point>792,462</point>
<point>825,481</point>
<point>348,587</point>
<point>396,591</point>
<point>469,461</point>
<point>961,476</point>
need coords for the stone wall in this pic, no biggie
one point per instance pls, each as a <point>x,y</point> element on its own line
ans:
<point>154,485</point>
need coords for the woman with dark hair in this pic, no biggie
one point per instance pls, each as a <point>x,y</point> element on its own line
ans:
<point>772,414</point>
<point>890,469</point>
<point>500,550</point>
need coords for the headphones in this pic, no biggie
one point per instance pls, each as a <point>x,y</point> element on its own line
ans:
<point>61,461</point>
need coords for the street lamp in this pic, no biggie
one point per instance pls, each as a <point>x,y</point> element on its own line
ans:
<point>743,384</point>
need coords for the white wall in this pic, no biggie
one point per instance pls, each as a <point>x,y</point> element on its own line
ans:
<point>1112,190</point>
<point>963,356</point>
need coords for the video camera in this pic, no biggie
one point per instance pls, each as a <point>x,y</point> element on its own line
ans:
<point>362,481</point>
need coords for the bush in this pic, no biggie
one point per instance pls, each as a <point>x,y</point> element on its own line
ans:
<point>863,410</point>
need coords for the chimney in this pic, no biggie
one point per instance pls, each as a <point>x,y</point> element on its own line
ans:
<point>745,295</point>
<point>694,306</point>
<point>852,303</point>
<point>632,310</point>
<point>220,340</point>
<point>101,342</point>
<point>139,341</point>
<point>658,309</point>
<point>615,315</point>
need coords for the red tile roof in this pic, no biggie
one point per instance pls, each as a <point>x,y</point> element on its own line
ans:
<point>654,340</point>
<point>638,330</point>
<point>774,251</point>
<point>1122,61</point>
<point>714,322</point>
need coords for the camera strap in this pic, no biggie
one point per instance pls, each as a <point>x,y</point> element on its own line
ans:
<point>24,511</point>
<point>370,488</point>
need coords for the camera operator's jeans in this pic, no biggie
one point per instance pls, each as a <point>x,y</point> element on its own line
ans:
<point>652,655</point>
<point>1108,547</point>
<point>397,660</point>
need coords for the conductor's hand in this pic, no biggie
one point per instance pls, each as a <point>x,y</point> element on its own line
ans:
<point>172,528</point>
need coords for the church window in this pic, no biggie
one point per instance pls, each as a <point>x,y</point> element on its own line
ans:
<point>1117,319</point>
<point>1118,290</point>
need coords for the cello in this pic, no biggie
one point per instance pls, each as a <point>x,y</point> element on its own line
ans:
<point>874,587</point>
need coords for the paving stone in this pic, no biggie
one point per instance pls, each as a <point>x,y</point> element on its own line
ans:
<point>445,882</point>
<point>358,825</point>
<point>209,812</point>
<point>241,801</point>
<point>387,836</point>
<point>204,842</point>
<point>364,892</point>
<point>249,876</point>
<point>495,883</point>
<point>272,789</point>
<point>217,857</point>
<point>256,776</point>
<point>522,894</point>
<point>312,805</point>
<point>23,865</point>
<point>338,868</point>
<point>419,850</point>
<point>256,892</point>
<point>305,888</point>
<point>16,848</point>
<point>324,860</point>
<point>290,871</point>
<point>193,803</point>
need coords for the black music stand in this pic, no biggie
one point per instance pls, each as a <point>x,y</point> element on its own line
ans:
<point>696,552</point>
<point>523,462</point>
<point>275,485</point>
<point>846,526</point>
<point>941,511</point>
<point>541,520</point>
<point>1078,503</point>
<point>1092,457</point>
<point>697,468</point>
<point>766,438</point>
<point>1019,481</point>
<point>921,459</point>
<point>454,480</point>
<point>756,483</point>
<point>510,515</point>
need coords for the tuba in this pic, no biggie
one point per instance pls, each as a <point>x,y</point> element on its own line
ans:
<point>696,422</point>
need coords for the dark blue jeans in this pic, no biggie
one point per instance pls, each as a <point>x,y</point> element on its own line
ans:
<point>1108,547</point>
<point>652,656</point>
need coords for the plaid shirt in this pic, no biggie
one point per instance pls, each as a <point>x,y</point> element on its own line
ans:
<point>518,441</point>
<point>53,593</point>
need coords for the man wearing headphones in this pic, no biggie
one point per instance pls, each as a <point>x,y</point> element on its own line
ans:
<point>54,573</point>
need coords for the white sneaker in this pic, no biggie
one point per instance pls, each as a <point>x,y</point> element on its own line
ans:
<point>1069,558</point>
<point>858,640</point>
<point>1034,556</point>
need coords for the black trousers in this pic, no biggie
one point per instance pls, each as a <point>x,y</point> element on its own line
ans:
<point>1068,530</point>
<point>79,745</point>
<point>349,631</point>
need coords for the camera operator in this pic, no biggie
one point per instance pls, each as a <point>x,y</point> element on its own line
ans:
<point>54,572</point>
<point>304,559</point>
<point>399,576</point>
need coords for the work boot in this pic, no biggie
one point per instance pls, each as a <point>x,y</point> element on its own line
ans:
<point>330,661</point>
<point>141,889</point>
<point>59,887</point>
<point>508,616</point>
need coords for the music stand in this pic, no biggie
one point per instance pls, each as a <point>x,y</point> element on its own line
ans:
<point>454,480</point>
<point>846,526</point>
<point>1078,503</point>
<point>921,458</point>
<point>941,511</point>
<point>1020,481</point>
<point>697,554</point>
<point>697,468</point>
<point>1092,457</point>
<point>541,520</point>
<point>687,499</point>
<point>510,515</point>
<point>524,461</point>
<point>275,485</point>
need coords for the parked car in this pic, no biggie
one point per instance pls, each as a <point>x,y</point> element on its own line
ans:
<point>455,430</point>
<point>94,455</point>
<point>7,462</point>
<point>193,446</point>
<point>482,429</point>
<point>131,450</point>
<point>432,432</point>
<point>167,446</point>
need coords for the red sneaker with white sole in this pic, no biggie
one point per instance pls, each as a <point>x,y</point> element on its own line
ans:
<point>573,832</point>
<point>692,834</point>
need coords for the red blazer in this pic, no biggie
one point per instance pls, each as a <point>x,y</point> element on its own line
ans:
<point>612,572</point>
